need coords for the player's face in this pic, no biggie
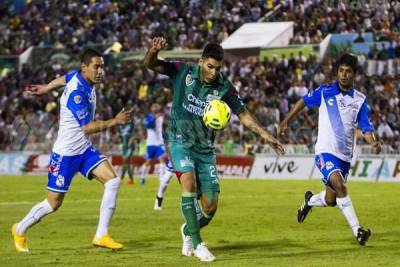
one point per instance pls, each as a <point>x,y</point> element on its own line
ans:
<point>94,72</point>
<point>345,76</point>
<point>209,69</point>
<point>155,108</point>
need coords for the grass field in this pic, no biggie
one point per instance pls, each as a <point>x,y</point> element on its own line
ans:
<point>254,226</point>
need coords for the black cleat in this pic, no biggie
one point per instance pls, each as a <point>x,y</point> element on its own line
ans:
<point>305,208</point>
<point>363,236</point>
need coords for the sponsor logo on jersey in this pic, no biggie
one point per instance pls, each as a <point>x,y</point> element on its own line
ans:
<point>330,101</point>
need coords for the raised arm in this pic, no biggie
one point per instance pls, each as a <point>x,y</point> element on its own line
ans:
<point>250,122</point>
<point>151,59</point>
<point>41,89</point>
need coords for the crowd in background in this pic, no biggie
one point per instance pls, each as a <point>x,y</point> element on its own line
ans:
<point>269,87</point>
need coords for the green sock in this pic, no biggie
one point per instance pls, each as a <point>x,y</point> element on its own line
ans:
<point>123,171</point>
<point>130,172</point>
<point>202,218</point>
<point>189,212</point>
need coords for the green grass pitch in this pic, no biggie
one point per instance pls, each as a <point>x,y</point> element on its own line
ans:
<point>255,226</point>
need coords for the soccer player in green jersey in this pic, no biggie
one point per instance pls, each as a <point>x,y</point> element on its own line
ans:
<point>191,144</point>
<point>125,133</point>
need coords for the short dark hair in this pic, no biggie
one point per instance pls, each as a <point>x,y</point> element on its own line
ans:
<point>214,51</point>
<point>88,54</point>
<point>347,59</point>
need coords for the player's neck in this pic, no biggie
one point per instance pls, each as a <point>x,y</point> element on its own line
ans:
<point>87,80</point>
<point>345,89</point>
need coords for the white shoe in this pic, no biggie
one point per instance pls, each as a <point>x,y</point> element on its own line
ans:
<point>156,207</point>
<point>203,253</point>
<point>187,245</point>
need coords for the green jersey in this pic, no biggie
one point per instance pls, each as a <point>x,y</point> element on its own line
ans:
<point>190,96</point>
<point>126,131</point>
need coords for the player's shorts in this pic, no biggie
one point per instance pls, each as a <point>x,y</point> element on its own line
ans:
<point>155,152</point>
<point>204,167</point>
<point>62,169</point>
<point>328,164</point>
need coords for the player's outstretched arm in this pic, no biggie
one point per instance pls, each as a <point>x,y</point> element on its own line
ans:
<point>292,113</point>
<point>100,125</point>
<point>370,138</point>
<point>151,59</point>
<point>41,89</point>
<point>250,122</point>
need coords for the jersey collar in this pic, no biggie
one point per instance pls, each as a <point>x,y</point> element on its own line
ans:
<point>86,86</point>
<point>337,88</point>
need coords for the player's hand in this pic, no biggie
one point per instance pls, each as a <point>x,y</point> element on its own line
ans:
<point>275,144</point>
<point>36,89</point>
<point>123,116</point>
<point>158,43</point>
<point>377,147</point>
<point>281,129</point>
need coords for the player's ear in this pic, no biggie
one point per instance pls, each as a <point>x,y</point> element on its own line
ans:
<point>201,61</point>
<point>83,67</point>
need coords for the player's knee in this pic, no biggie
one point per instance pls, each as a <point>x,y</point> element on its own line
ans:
<point>210,208</point>
<point>113,184</point>
<point>330,202</point>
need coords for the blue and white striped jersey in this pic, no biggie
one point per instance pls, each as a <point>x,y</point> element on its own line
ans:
<point>77,108</point>
<point>340,114</point>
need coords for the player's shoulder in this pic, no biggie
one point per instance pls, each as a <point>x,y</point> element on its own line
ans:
<point>327,87</point>
<point>359,95</point>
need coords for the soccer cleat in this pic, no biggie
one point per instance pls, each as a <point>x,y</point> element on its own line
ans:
<point>157,204</point>
<point>130,181</point>
<point>187,244</point>
<point>203,254</point>
<point>305,208</point>
<point>106,242</point>
<point>19,240</point>
<point>363,236</point>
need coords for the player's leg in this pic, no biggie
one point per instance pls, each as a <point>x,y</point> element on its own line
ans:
<point>182,162</point>
<point>345,204</point>
<point>97,166</point>
<point>62,169</point>
<point>165,178</point>
<point>150,154</point>
<point>130,168</point>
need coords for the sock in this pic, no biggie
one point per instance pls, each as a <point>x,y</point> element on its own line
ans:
<point>108,205</point>
<point>34,216</point>
<point>318,200</point>
<point>346,206</point>
<point>189,212</point>
<point>203,218</point>
<point>130,171</point>
<point>123,171</point>
<point>164,181</point>
<point>161,168</point>
<point>144,171</point>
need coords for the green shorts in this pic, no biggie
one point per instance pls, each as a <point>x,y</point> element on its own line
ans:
<point>204,167</point>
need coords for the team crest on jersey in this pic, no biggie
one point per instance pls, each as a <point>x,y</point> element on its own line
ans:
<point>329,165</point>
<point>60,180</point>
<point>189,80</point>
<point>77,99</point>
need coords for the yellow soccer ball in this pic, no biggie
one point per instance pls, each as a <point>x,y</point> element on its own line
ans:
<point>217,115</point>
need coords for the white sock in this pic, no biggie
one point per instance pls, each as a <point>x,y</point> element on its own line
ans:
<point>144,171</point>
<point>318,200</point>
<point>161,168</point>
<point>108,205</point>
<point>164,181</point>
<point>35,214</point>
<point>346,206</point>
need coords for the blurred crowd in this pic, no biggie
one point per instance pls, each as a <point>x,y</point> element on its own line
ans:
<point>75,24</point>
<point>314,19</point>
<point>269,87</point>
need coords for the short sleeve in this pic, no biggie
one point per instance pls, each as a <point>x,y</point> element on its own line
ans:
<point>313,98</point>
<point>79,105</point>
<point>69,75</point>
<point>234,101</point>
<point>364,118</point>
